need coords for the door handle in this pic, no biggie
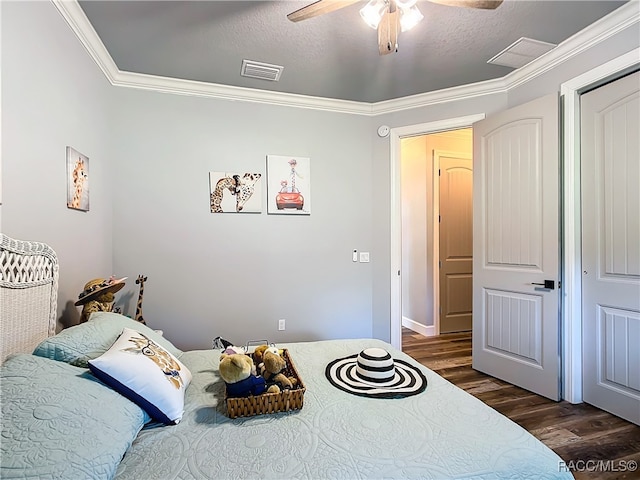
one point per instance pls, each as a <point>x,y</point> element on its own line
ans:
<point>548,284</point>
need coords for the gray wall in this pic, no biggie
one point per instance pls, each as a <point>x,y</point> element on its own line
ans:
<point>230,274</point>
<point>53,95</point>
<point>150,154</point>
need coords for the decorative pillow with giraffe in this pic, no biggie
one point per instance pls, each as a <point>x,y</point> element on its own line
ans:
<point>145,373</point>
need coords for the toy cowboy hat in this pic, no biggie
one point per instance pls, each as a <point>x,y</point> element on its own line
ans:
<point>99,286</point>
<point>374,373</point>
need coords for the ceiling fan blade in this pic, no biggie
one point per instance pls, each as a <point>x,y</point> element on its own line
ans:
<point>319,8</point>
<point>484,4</point>
<point>388,32</point>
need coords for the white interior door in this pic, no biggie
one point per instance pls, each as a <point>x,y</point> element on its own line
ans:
<point>610,159</point>
<point>516,246</point>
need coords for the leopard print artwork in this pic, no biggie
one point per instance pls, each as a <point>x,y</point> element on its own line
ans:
<point>242,187</point>
<point>160,357</point>
<point>79,175</point>
<point>229,183</point>
<point>245,189</point>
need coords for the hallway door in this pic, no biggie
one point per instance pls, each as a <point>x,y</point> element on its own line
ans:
<point>455,179</point>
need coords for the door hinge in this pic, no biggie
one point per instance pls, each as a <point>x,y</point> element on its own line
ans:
<point>439,219</point>
<point>440,263</point>
<point>438,172</point>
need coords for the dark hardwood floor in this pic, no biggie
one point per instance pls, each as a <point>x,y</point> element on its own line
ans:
<point>596,444</point>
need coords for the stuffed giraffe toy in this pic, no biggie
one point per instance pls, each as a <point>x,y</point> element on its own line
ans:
<point>140,281</point>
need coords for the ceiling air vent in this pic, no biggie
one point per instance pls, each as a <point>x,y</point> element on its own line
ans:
<point>262,71</point>
<point>521,52</point>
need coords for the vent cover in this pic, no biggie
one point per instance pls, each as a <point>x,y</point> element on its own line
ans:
<point>521,52</point>
<point>262,71</point>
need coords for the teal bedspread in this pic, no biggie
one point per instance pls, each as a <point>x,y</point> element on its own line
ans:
<point>442,433</point>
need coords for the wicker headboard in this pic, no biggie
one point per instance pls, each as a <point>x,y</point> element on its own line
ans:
<point>28,294</point>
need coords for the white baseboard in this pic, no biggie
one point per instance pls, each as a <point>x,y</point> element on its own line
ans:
<point>427,331</point>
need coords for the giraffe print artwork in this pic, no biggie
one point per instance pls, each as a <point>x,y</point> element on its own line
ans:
<point>288,185</point>
<point>235,192</point>
<point>77,180</point>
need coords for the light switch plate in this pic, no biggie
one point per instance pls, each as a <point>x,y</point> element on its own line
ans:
<point>364,257</point>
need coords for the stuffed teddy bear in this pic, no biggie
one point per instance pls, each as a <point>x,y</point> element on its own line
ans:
<point>273,365</point>
<point>258,353</point>
<point>235,370</point>
<point>231,349</point>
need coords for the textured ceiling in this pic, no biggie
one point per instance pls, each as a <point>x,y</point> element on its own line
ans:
<point>334,55</point>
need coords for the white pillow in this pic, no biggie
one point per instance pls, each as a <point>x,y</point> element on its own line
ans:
<point>145,373</point>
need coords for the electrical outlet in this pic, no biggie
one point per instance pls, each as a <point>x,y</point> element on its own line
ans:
<point>281,324</point>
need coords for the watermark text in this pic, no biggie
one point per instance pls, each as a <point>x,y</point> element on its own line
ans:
<point>598,466</point>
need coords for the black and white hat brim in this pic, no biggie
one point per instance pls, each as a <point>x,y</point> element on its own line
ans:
<point>407,380</point>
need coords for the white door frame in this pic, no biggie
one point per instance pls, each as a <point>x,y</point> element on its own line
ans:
<point>572,267</point>
<point>396,135</point>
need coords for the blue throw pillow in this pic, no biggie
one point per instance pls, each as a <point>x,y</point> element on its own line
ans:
<point>58,421</point>
<point>79,344</point>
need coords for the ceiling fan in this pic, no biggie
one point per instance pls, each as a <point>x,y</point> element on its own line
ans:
<point>387,16</point>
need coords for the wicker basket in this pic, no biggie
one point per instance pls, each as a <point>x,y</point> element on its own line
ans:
<point>285,401</point>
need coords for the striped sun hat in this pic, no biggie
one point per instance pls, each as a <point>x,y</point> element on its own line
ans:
<point>374,373</point>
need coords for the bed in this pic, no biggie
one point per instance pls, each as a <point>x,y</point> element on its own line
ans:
<point>60,421</point>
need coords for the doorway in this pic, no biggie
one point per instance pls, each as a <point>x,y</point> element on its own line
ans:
<point>436,201</point>
<point>397,134</point>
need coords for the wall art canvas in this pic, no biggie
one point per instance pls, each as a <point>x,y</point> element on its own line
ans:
<point>288,185</point>
<point>77,180</point>
<point>235,192</point>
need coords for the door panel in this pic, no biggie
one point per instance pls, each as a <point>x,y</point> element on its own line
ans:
<point>516,246</point>
<point>456,241</point>
<point>514,325</point>
<point>513,196</point>
<point>610,121</point>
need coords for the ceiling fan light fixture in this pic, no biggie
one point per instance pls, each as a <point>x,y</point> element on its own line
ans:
<point>372,12</point>
<point>409,17</point>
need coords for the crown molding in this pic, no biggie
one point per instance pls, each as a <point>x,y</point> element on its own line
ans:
<point>203,89</point>
<point>618,20</point>
<point>462,92</point>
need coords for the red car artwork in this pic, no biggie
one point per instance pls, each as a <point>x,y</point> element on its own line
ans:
<point>289,200</point>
